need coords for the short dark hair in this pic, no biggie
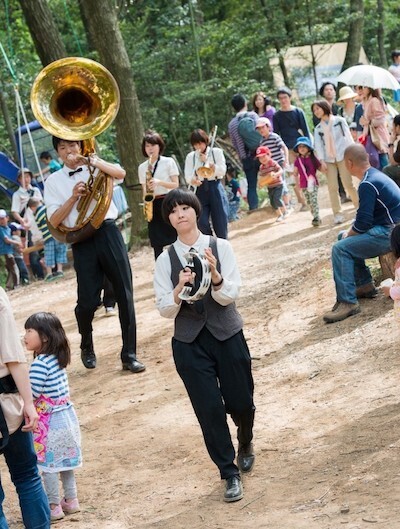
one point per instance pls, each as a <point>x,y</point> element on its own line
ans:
<point>52,335</point>
<point>324,85</point>
<point>45,155</point>
<point>395,53</point>
<point>152,137</point>
<point>396,120</point>
<point>284,90</point>
<point>324,105</point>
<point>238,102</point>
<point>56,142</point>
<point>199,136</point>
<point>395,241</point>
<point>179,197</point>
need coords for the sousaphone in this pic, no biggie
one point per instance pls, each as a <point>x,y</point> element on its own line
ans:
<point>77,99</point>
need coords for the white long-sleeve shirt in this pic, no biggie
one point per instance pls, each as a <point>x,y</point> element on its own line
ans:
<point>229,291</point>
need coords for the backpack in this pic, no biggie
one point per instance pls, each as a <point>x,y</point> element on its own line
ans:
<point>248,132</point>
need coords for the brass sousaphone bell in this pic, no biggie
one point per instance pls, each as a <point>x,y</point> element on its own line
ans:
<point>77,99</point>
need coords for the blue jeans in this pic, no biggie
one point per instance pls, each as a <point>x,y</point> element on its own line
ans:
<point>21,460</point>
<point>348,260</point>
<point>250,167</point>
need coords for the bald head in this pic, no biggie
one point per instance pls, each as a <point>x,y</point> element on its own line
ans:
<point>356,159</point>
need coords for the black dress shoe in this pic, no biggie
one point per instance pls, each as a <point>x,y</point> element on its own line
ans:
<point>134,366</point>
<point>246,457</point>
<point>88,358</point>
<point>234,489</point>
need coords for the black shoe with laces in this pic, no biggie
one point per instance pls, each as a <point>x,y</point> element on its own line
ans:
<point>88,358</point>
<point>233,490</point>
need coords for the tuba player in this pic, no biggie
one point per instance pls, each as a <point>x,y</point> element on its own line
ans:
<point>102,254</point>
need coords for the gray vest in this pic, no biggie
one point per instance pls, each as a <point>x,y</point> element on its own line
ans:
<point>222,322</point>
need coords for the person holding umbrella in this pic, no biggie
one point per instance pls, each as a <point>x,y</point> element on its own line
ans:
<point>374,116</point>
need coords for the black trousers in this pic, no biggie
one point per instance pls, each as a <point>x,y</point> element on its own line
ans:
<point>105,254</point>
<point>210,196</point>
<point>217,376</point>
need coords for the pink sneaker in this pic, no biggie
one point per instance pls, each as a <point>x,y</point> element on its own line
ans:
<point>71,506</point>
<point>56,513</point>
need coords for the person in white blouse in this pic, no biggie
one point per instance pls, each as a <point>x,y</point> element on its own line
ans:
<point>210,192</point>
<point>210,351</point>
<point>164,177</point>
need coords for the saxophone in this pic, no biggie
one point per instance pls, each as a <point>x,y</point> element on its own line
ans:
<point>149,194</point>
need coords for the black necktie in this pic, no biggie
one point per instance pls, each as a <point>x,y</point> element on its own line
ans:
<point>76,171</point>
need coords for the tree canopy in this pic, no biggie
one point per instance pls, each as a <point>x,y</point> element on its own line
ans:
<point>232,39</point>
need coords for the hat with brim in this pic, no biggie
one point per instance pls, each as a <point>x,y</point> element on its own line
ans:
<point>24,171</point>
<point>346,93</point>
<point>303,140</point>
<point>3,214</point>
<point>263,121</point>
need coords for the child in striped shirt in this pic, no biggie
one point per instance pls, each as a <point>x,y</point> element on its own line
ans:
<point>57,439</point>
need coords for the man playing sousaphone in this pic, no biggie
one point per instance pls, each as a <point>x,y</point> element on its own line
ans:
<point>209,189</point>
<point>103,253</point>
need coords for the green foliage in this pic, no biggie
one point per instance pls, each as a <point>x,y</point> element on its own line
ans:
<point>235,40</point>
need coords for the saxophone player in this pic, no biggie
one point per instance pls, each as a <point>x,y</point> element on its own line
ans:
<point>158,175</point>
<point>102,254</point>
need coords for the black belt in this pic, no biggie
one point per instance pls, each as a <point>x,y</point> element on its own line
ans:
<point>7,385</point>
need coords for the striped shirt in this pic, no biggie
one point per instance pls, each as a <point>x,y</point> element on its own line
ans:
<point>236,138</point>
<point>275,144</point>
<point>48,379</point>
<point>41,221</point>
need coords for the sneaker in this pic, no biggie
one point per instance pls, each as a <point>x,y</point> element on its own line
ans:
<point>340,311</point>
<point>280,218</point>
<point>110,311</point>
<point>338,218</point>
<point>316,222</point>
<point>367,291</point>
<point>56,513</point>
<point>71,506</point>
<point>303,208</point>
<point>49,278</point>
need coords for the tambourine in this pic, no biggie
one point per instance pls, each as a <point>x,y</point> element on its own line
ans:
<point>202,280</point>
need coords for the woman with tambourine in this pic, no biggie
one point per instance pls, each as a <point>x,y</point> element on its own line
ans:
<point>209,349</point>
<point>158,175</point>
<point>205,168</point>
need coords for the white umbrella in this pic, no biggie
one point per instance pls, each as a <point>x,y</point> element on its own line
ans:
<point>368,75</point>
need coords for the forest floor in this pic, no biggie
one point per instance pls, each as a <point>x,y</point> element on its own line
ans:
<point>327,431</point>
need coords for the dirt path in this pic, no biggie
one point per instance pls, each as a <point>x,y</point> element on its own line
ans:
<point>327,424</point>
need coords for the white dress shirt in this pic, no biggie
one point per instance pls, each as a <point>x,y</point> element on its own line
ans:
<point>193,162</point>
<point>166,168</point>
<point>230,288</point>
<point>58,189</point>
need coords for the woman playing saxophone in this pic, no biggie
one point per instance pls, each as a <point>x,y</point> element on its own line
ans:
<point>157,175</point>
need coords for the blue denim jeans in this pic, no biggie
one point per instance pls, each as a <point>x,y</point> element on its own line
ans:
<point>250,167</point>
<point>21,460</point>
<point>348,260</point>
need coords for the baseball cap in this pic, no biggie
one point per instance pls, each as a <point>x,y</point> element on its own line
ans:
<point>263,121</point>
<point>15,226</point>
<point>3,214</point>
<point>262,151</point>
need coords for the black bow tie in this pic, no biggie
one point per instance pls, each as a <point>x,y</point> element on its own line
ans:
<point>76,171</point>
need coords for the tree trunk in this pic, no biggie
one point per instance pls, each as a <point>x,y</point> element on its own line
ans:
<point>43,30</point>
<point>101,17</point>
<point>388,264</point>
<point>8,124</point>
<point>356,31</point>
<point>381,34</point>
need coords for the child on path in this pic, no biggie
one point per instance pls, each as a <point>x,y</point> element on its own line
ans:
<point>55,252</point>
<point>233,193</point>
<point>305,167</point>
<point>57,439</point>
<point>270,175</point>
<point>18,255</point>
<point>7,244</point>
